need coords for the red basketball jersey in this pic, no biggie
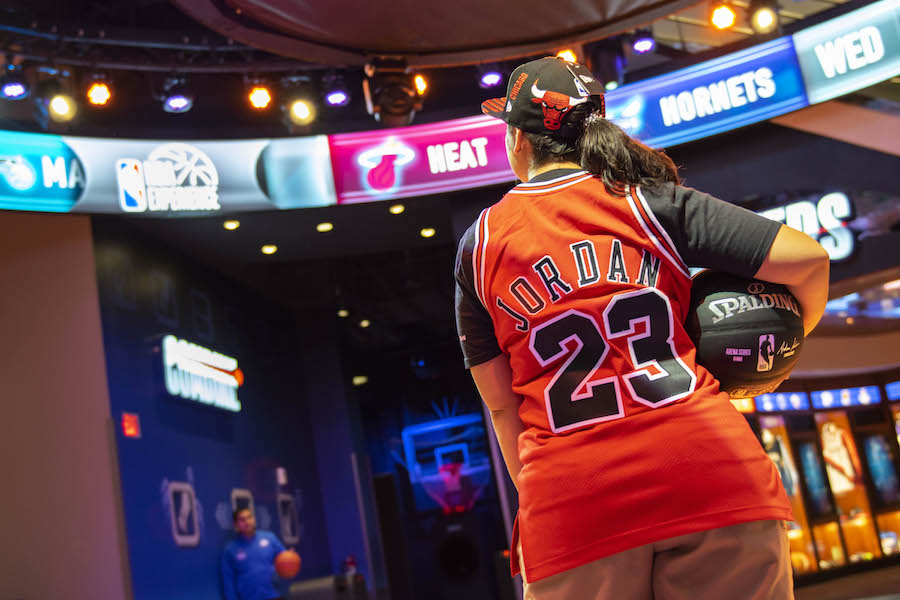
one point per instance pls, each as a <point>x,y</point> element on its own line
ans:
<point>627,440</point>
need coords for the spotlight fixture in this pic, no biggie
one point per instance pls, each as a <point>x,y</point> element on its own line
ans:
<point>269,249</point>
<point>343,313</point>
<point>642,41</point>
<point>53,101</point>
<point>176,98</point>
<point>365,323</point>
<point>99,92</point>
<point>259,96</point>
<point>231,225</point>
<point>427,232</point>
<point>567,55</point>
<point>13,85</point>
<point>421,84</point>
<point>763,16</point>
<point>359,380</point>
<point>299,106</point>
<point>335,89</point>
<point>392,94</point>
<point>489,76</point>
<point>606,60</point>
<point>722,16</point>
<point>396,209</point>
<point>324,227</point>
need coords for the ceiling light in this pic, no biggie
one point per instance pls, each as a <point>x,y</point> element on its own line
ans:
<point>643,42</point>
<point>13,85</point>
<point>259,97</point>
<point>269,249</point>
<point>324,227</point>
<point>427,232</point>
<point>343,313</point>
<point>763,16</point>
<point>421,84</point>
<point>176,96</point>
<point>336,91</point>
<point>396,209</point>
<point>567,55</point>
<point>299,106</point>
<point>99,92</point>
<point>231,225</point>
<point>360,380</point>
<point>722,16</point>
<point>52,98</point>
<point>364,323</point>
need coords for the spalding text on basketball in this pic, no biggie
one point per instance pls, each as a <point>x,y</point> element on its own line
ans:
<point>726,307</point>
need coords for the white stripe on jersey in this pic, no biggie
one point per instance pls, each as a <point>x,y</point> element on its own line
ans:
<point>487,237</point>
<point>660,228</point>
<point>475,254</point>
<point>651,235</point>
<point>548,182</point>
<point>516,189</point>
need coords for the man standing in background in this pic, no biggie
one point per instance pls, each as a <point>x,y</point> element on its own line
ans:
<point>248,569</point>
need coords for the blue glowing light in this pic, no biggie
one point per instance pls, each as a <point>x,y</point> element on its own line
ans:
<point>644,45</point>
<point>13,90</point>
<point>491,79</point>
<point>178,103</point>
<point>337,98</point>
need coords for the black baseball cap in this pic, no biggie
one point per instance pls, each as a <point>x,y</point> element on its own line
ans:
<point>541,93</point>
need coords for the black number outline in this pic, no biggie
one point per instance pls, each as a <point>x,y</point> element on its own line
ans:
<point>589,391</point>
<point>641,368</point>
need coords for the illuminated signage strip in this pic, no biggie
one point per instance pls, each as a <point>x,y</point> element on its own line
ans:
<point>782,402</point>
<point>893,390</point>
<point>725,93</point>
<point>197,373</point>
<point>860,396</point>
<point>423,159</point>
<point>850,52</point>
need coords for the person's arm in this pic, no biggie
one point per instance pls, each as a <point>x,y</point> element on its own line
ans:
<point>494,381</point>
<point>708,232</point>
<point>276,543</point>
<point>228,578</point>
<point>802,264</point>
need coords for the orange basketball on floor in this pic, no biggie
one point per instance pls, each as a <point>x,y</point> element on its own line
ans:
<point>287,564</point>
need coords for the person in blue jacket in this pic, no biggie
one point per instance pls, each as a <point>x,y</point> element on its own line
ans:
<point>248,562</point>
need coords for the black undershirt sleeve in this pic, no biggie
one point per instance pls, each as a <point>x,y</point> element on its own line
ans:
<point>473,322</point>
<point>708,232</point>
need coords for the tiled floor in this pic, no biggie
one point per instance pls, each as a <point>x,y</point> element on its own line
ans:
<point>883,584</point>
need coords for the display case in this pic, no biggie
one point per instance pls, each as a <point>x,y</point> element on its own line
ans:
<point>774,437</point>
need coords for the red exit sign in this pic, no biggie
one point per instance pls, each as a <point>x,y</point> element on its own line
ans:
<point>131,425</point>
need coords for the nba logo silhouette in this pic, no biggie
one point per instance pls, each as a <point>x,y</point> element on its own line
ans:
<point>132,189</point>
<point>183,514</point>
<point>766,352</point>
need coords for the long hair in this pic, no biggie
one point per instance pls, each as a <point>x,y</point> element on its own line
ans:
<point>602,148</point>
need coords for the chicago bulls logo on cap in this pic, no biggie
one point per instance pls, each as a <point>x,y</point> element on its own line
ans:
<point>554,104</point>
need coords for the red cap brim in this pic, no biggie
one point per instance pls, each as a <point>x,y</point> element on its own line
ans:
<point>494,107</point>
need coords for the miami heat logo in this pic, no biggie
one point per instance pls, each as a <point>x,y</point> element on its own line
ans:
<point>554,105</point>
<point>383,164</point>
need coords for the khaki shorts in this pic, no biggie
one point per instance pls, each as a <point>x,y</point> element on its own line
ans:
<point>749,561</point>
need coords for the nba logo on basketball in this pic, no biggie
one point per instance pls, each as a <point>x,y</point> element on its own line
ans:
<point>766,352</point>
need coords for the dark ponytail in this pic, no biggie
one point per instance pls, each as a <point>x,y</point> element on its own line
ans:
<point>604,149</point>
<point>619,159</point>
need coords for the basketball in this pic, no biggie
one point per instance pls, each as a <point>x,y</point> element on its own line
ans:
<point>287,564</point>
<point>748,333</point>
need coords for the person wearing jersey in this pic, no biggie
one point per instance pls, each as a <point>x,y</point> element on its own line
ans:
<point>637,478</point>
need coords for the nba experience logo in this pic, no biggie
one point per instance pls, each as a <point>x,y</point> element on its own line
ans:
<point>175,177</point>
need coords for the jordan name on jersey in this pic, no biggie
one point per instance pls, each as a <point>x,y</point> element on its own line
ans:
<point>530,302</point>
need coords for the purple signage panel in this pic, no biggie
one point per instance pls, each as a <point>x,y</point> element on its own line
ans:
<point>419,160</point>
